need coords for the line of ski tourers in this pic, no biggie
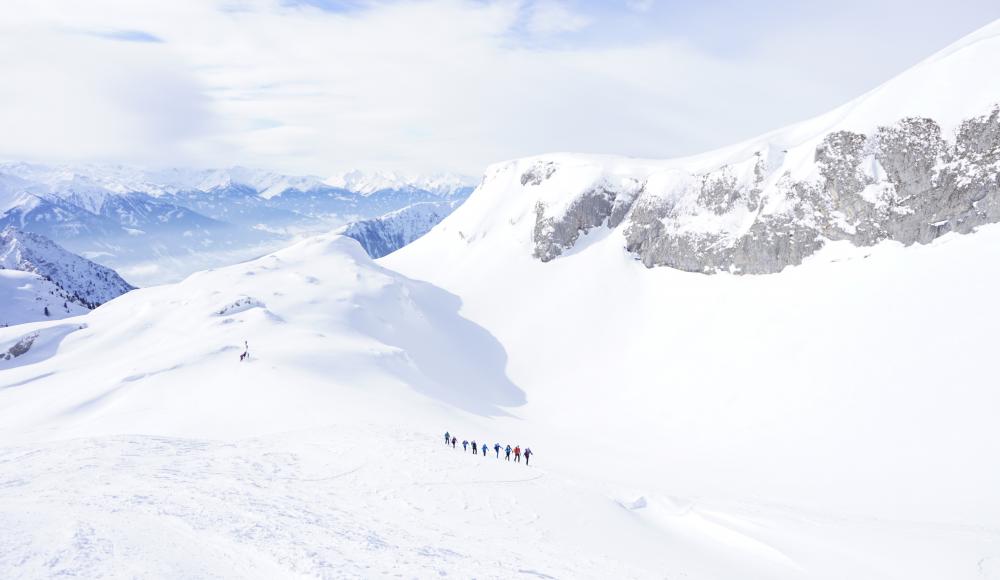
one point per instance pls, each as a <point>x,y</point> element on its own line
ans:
<point>450,439</point>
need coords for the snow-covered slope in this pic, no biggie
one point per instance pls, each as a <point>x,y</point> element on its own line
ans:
<point>386,234</point>
<point>355,367</point>
<point>28,297</point>
<point>83,282</point>
<point>910,161</point>
<point>321,456</point>
<point>836,420</point>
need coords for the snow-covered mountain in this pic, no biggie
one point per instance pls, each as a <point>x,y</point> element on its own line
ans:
<point>832,384</point>
<point>834,420</point>
<point>912,160</point>
<point>160,225</point>
<point>82,281</point>
<point>387,233</point>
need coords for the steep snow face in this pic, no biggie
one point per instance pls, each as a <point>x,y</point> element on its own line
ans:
<point>80,281</point>
<point>912,160</point>
<point>385,234</point>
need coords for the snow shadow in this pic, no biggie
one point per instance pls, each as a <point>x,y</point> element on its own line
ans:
<point>443,355</point>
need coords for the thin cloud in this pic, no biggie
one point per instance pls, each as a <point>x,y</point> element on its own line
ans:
<point>124,35</point>
<point>554,17</point>
<point>452,85</point>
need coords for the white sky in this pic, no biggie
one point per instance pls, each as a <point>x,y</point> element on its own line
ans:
<point>321,86</point>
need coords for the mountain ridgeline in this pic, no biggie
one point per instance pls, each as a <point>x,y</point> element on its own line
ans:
<point>910,161</point>
<point>158,226</point>
<point>904,182</point>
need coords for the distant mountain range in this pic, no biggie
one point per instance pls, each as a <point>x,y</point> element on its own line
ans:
<point>161,225</point>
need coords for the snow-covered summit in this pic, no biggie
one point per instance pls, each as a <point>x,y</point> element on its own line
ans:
<point>84,282</point>
<point>909,161</point>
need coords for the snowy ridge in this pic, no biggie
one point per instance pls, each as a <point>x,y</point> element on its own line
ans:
<point>910,161</point>
<point>385,234</point>
<point>81,281</point>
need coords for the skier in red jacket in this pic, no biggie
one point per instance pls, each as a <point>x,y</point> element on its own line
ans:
<point>517,454</point>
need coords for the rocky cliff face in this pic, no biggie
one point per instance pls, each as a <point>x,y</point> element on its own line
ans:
<point>905,182</point>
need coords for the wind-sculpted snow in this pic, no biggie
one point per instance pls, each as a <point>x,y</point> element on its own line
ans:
<point>320,304</point>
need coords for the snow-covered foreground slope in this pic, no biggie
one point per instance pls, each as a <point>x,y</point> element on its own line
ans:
<point>853,386</point>
<point>134,441</point>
